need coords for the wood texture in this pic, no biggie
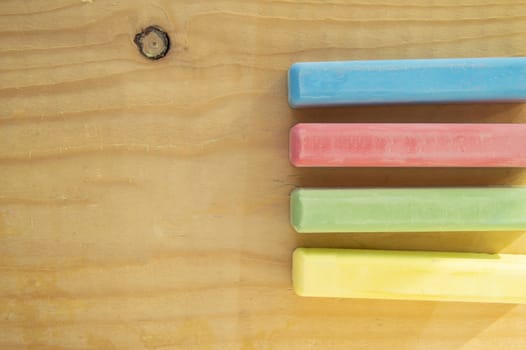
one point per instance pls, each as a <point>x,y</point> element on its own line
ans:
<point>144,205</point>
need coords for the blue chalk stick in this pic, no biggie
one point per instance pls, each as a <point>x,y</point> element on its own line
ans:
<point>343,83</point>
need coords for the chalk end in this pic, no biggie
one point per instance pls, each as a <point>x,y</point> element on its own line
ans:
<point>298,266</point>
<point>294,86</point>
<point>296,210</point>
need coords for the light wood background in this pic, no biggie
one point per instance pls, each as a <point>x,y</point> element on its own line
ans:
<point>144,204</point>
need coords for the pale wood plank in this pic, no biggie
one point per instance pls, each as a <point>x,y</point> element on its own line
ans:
<point>144,205</point>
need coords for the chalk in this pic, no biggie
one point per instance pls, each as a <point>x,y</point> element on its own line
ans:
<point>408,145</point>
<point>342,83</point>
<point>408,209</point>
<point>409,275</point>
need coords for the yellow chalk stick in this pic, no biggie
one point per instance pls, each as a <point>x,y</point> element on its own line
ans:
<point>409,275</point>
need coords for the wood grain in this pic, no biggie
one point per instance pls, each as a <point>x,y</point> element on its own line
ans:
<point>144,204</point>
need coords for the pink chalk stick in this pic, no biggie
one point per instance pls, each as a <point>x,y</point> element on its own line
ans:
<point>408,145</point>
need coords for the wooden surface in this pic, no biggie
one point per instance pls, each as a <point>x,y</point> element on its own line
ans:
<point>144,205</point>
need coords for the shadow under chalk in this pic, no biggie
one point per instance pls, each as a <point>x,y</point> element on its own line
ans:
<point>475,242</point>
<point>416,113</point>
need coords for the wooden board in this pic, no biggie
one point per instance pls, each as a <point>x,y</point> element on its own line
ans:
<point>144,204</point>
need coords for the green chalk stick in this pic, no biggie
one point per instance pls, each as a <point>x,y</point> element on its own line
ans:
<point>409,209</point>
